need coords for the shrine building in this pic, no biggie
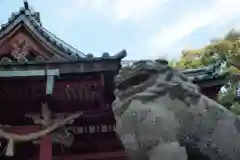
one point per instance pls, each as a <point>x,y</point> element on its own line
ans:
<point>56,101</point>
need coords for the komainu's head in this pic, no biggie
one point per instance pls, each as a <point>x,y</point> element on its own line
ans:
<point>150,79</point>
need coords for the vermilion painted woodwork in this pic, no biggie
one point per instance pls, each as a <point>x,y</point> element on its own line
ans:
<point>71,90</point>
<point>45,148</point>
<point>6,44</point>
<point>22,129</point>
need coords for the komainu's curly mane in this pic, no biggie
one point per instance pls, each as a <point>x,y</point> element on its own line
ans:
<point>146,80</point>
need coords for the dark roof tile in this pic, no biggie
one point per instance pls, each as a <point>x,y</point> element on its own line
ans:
<point>206,73</point>
<point>197,75</point>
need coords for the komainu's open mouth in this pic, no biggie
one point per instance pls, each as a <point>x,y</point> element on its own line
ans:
<point>135,75</point>
<point>134,80</point>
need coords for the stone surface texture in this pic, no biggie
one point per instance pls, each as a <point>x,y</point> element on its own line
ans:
<point>161,115</point>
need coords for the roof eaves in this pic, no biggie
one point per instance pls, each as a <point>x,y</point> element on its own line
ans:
<point>116,57</point>
<point>54,40</point>
<point>195,72</point>
<point>12,21</point>
<point>105,56</point>
<point>57,41</point>
<point>206,73</point>
<point>216,75</point>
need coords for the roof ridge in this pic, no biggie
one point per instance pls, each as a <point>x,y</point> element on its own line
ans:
<point>68,45</point>
<point>50,33</point>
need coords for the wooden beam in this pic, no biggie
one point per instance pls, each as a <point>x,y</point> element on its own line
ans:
<point>68,67</point>
<point>117,155</point>
<point>29,73</point>
<point>211,83</point>
<point>21,129</point>
<point>50,84</point>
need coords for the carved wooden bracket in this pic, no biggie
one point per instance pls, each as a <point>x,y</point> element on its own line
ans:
<point>20,51</point>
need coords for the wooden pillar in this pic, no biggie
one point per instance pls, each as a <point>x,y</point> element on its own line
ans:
<point>103,100</point>
<point>45,148</point>
<point>45,141</point>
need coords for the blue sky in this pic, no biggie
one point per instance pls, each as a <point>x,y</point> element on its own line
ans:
<point>145,28</point>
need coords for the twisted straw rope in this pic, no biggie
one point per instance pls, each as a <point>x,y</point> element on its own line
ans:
<point>36,135</point>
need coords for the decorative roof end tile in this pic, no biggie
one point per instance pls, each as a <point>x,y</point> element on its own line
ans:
<point>22,10</point>
<point>105,55</point>
<point>122,54</point>
<point>90,56</point>
<point>26,6</point>
<point>162,61</point>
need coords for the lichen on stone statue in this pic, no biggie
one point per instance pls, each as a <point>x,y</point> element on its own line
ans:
<point>161,114</point>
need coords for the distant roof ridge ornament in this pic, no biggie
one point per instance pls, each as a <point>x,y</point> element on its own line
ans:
<point>26,6</point>
<point>29,10</point>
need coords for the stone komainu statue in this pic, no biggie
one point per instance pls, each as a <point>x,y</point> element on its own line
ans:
<point>161,115</point>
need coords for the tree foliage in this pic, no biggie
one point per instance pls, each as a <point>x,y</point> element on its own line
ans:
<point>226,49</point>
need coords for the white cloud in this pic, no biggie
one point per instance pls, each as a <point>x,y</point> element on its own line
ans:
<point>216,13</point>
<point>117,10</point>
<point>136,9</point>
